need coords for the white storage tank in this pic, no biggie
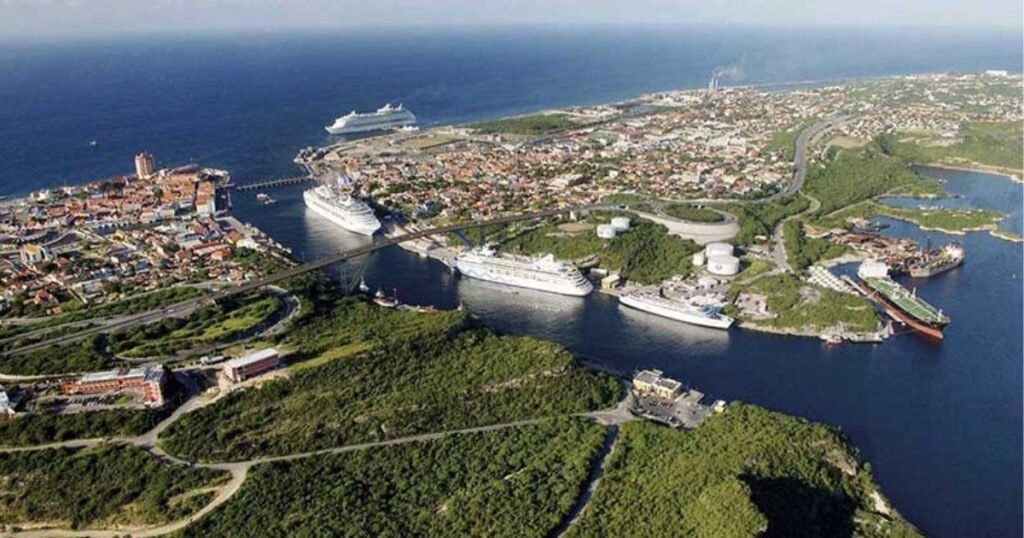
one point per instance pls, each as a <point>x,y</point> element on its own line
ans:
<point>723,265</point>
<point>698,259</point>
<point>606,231</point>
<point>718,249</point>
<point>873,269</point>
<point>620,224</point>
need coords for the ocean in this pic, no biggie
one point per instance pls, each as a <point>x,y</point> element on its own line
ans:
<point>941,424</point>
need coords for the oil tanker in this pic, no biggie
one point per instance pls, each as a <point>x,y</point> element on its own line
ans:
<point>900,303</point>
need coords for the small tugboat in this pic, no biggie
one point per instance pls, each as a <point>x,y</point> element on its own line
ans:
<point>383,300</point>
<point>832,339</point>
<point>265,198</point>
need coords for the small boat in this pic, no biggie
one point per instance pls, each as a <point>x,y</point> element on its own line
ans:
<point>93,143</point>
<point>363,287</point>
<point>832,339</point>
<point>265,198</point>
<point>384,300</point>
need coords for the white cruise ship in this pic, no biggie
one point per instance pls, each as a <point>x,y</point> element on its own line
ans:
<point>341,209</point>
<point>386,117</point>
<point>543,273</point>
<point>705,315</point>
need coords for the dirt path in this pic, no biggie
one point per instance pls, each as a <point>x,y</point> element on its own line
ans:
<point>593,479</point>
<point>239,470</point>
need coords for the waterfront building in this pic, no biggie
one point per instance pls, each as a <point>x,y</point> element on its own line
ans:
<point>653,382</point>
<point>149,383</point>
<point>251,365</point>
<point>611,281</point>
<point>143,165</point>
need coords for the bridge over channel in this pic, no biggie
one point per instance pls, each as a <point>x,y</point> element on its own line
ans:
<point>270,183</point>
<point>190,304</point>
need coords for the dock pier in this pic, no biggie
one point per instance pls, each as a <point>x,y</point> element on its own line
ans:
<point>271,183</point>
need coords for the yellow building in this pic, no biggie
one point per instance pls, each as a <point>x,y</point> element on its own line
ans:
<point>653,382</point>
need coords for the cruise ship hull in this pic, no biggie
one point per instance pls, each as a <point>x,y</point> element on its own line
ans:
<point>325,211</point>
<point>677,315</point>
<point>367,128</point>
<point>473,270</point>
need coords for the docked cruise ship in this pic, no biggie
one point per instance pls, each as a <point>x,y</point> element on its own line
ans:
<point>693,312</point>
<point>342,209</point>
<point>541,273</point>
<point>386,117</point>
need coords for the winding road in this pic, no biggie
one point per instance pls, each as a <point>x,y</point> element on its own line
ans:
<point>807,137</point>
<point>239,470</point>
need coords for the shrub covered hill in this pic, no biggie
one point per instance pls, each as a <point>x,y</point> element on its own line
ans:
<point>744,472</point>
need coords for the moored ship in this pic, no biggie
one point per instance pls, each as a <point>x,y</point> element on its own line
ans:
<point>937,261</point>
<point>342,209</point>
<point>538,273</point>
<point>686,311</point>
<point>386,117</point>
<point>900,303</point>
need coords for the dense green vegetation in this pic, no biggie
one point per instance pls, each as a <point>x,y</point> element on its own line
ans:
<point>802,306</point>
<point>513,482</point>
<point>43,428</point>
<point>536,124</point>
<point>263,263</point>
<point>105,486</point>
<point>646,253</point>
<point>229,318</point>
<point>858,175</point>
<point>422,373</point>
<point>945,219</point>
<point>802,251</point>
<point>760,219</point>
<point>83,356</point>
<point>996,144</point>
<point>625,198</point>
<point>744,472</point>
<point>692,213</point>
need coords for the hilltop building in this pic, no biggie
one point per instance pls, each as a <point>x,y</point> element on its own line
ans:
<point>251,365</point>
<point>149,383</point>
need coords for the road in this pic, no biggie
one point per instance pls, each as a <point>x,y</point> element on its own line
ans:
<point>593,480</point>
<point>191,304</point>
<point>239,470</point>
<point>807,137</point>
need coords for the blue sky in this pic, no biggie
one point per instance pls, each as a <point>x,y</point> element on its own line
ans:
<point>41,18</point>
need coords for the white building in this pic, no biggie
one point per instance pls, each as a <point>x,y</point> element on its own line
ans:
<point>606,231</point>
<point>654,383</point>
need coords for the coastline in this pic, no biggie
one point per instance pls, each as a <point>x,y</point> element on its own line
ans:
<point>853,337</point>
<point>977,167</point>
